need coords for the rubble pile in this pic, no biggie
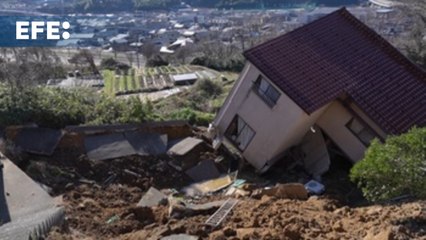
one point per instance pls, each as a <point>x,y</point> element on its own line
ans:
<point>281,212</point>
<point>187,193</point>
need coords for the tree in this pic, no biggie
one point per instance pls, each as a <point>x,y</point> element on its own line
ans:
<point>415,46</point>
<point>182,54</point>
<point>112,64</point>
<point>85,60</point>
<point>130,57</point>
<point>148,50</point>
<point>393,168</point>
<point>27,67</point>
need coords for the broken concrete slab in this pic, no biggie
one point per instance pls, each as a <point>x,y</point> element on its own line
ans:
<point>205,170</point>
<point>152,198</point>
<point>102,129</point>
<point>180,237</point>
<point>186,153</point>
<point>173,129</point>
<point>21,194</point>
<point>185,146</point>
<point>146,144</point>
<point>288,191</point>
<point>25,208</point>
<point>36,140</point>
<point>108,146</point>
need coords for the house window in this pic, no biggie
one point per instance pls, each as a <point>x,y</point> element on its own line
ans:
<point>266,91</point>
<point>361,131</point>
<point>240,133</point>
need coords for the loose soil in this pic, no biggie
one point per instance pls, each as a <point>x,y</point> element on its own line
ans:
<point>100,203</point>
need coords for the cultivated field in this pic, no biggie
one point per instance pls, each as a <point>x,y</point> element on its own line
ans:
<point>149,79</point>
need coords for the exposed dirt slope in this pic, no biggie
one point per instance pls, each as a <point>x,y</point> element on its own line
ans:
<point>89,209</point>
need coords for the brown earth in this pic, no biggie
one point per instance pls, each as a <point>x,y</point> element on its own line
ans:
<point>100,202</point>
<point>89,208</point>
<point>110,212</point>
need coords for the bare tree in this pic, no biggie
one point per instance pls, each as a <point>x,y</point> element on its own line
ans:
<point>148,50</point>
<point>182,54</point>
<point>130,57</point>
<point>83,59</point>
<point>415,45</point>
<point>27,68</point>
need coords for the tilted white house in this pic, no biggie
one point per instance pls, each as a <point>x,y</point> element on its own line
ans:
<point>334,77</point>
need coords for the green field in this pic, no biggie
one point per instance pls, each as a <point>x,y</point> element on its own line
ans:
<point>145,79</point>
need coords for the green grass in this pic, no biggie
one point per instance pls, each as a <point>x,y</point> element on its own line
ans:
<point>109,78</point>
<point>122,84</point>
<point>116,83</point>
<point>131,83</point>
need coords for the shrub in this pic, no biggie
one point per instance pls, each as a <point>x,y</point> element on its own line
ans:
<point>112,64</point>
<point>208,88</point>
<point>233,64</point>
<point>156,61</point>
<point>56,108</point>
<point>192,116</point>
<point>394,168</point>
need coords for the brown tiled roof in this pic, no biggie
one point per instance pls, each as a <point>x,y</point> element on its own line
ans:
<point>338,55</point>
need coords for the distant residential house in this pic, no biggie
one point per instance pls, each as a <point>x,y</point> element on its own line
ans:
<point>181,42</point>
<point>107,33</point>
<point>164,37</point>
<point>79,39</point>
<point>119,39</point>
<point>331,82</point>
<point>166,50</point>
<point>382,3</point>
<point>154,25</point>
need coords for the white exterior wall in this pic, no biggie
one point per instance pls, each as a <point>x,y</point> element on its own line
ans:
<point>367,120</point>
<point>284,125</point>
<point>333,123</point>
<point>277,128</point>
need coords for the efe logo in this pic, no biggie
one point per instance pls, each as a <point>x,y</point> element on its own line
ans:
<point>51,28</point>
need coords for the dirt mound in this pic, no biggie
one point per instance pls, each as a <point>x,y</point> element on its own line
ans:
<point>107,212</point>
<point>317,218</point>
<point>321,218</point>
<point>104,207</point>
<point>100,201</point>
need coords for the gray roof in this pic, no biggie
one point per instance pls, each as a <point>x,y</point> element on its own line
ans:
<point>185,77</point>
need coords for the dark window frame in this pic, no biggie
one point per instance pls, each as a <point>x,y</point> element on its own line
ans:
<point>264,94</point>
<point>229,136</point>
<point>365,128</point>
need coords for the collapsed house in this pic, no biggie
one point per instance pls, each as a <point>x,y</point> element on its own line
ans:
<point>333,81</point>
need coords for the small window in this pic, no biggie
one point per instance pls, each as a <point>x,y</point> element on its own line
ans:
<point>362,132</point>
<point>240,133</point>
<point>266,91</point>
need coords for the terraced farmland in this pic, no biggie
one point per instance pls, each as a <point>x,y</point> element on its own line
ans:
<point>149,79</point>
